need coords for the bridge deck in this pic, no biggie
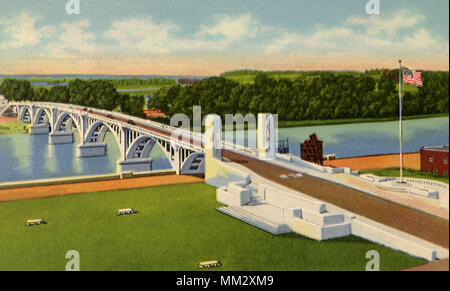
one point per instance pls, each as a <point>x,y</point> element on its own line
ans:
<point>146,127</point>
<point>419,224</point>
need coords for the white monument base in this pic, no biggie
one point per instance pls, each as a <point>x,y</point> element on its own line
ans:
<point>135,165</point>
<point>91,150</point>
<point>60,138</point>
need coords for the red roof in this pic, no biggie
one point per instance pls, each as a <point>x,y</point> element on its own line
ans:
<point>154,113</point>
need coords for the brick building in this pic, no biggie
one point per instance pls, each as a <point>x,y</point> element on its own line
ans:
<point>434,160</point>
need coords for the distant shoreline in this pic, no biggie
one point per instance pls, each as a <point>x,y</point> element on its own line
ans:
<point>306,123</point>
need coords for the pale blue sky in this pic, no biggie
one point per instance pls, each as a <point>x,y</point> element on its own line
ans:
<point>211,36</point>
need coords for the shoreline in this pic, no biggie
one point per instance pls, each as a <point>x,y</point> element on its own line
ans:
<point>307,123</point>
<point>10,125</point>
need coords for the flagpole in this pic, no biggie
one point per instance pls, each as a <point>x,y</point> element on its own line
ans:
<point>400,123</point>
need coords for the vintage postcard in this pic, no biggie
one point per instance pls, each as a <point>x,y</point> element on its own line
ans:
<point>231,135</point>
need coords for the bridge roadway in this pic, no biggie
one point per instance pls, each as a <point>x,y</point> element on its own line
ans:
<point>402,218</point>
<point>140,125</point>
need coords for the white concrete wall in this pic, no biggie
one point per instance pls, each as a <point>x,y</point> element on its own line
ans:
<point>286,200</point>
<point>375,234</point>
<point>234,196</point>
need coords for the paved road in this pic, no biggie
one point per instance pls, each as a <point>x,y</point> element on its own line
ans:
<point>419,224</point>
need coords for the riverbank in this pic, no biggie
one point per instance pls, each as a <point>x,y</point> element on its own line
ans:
<point>60,189</point>
<point>7,119</point>
<point>410,161</point>
<point>305,123</point>
<point>10,127</point>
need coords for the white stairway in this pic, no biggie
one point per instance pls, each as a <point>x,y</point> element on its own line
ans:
<point>255,220</point>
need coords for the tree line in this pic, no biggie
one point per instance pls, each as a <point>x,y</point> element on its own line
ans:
<point>100,94</point>
<point>318,96</point>
<point>324,96</point>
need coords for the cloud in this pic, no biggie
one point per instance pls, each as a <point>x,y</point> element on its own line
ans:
<point>401,33</point>
<point>74,41</point>
<point>232,28</point>
<point>22,31</point>
<point>143,34</point>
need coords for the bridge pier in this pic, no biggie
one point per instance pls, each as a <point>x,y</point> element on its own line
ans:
<point>36,129</point>
<point>135,165</point>
<point>60,137</point>
<point>91,150</point>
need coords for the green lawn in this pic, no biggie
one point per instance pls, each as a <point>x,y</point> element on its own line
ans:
<point>13,127</point>
<point>395,172</point>
<point>176,228</point>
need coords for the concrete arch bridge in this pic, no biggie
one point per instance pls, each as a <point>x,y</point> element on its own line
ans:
<point>136,137</point>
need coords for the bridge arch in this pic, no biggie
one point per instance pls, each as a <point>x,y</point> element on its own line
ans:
<point>194,164</point>
<point>141,147</point>
<point>64,117</point>
<point>43,113</point>
<point>23,113</point>
<point>97,131</point>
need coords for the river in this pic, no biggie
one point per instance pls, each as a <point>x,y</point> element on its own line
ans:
<point>25,157</point>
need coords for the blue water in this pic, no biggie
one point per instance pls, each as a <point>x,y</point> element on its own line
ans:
<point>349,140</point>
<point>361,139</point>
<point>30,157</point>
<point>25,157</point>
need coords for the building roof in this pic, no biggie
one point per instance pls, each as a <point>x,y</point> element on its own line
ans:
<point>440,149</point>
<point>152,113</point>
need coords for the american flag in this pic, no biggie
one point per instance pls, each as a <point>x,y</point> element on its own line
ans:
<point>412,77</point>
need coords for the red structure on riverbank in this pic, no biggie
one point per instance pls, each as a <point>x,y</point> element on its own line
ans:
<point>434,160</point>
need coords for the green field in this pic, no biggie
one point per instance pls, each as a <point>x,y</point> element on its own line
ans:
<point>395,172</point>
<point>176,228</point>
<point>248,76</point>
<point>13,127</point>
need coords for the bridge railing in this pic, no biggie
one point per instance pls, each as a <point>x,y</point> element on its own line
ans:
<point>195,137</point>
